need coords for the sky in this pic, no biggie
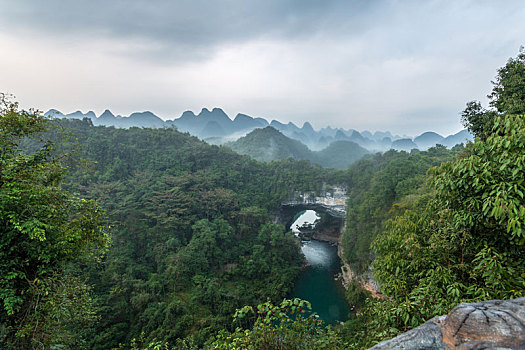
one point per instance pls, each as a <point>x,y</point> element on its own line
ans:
<point>405,66</point>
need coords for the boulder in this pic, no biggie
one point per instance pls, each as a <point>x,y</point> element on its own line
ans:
<point>428,336</point>
<point>494,324</point>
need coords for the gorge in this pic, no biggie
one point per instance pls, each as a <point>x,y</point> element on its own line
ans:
<point>318,222</point>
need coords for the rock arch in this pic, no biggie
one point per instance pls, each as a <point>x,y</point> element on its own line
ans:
<point>330,202</point>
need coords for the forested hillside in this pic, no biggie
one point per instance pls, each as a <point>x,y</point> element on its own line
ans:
<point>270,144</point>
<point>191,235</point>
<point>383,186</point>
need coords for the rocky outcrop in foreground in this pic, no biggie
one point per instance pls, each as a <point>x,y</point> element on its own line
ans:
<point>495,324</point>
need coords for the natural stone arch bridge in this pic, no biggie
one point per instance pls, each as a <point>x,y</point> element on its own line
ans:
<point>331,202</point>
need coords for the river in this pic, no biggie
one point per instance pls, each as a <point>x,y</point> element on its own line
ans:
<point>316,282</point>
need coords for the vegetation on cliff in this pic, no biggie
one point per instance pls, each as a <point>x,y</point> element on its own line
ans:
<point>378,189</point>
<point>463,238</point>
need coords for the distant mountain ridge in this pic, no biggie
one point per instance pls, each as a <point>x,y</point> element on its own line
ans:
<point>215,126</point>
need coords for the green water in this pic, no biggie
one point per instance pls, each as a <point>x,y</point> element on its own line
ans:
<point>317,285</point>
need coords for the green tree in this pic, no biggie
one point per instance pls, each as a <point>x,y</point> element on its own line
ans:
<point>507,96</point>
<point>466,244</point>
<point>477,119</point>
<point>464,239</point>
<point>42,227</point>
<point>289,325</point>
<point>378,186</point>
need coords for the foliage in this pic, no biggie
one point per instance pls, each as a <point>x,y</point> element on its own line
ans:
<point>288,325</point>
<point>485,188</point>
<point>462,240</point>
<point>477,119</point>
<point>192,238</point>
<point>42,227</point>
<point>142,344</point>
<point>375,184</point>
<point>191,234</point>
<point>467,242</point>
<point>62,307</point>
<point>339,154</point>
<point>507,96</point>
<point>356,295</point>
<point>269,144</point>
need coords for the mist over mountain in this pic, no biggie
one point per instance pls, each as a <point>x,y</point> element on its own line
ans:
<point>270,144</point>
<point>427,140</point>
<point>340,154</point>
<point>215,126</point>
<point>202,125</point>
<point>403,145</point>
<point>107,118</point>
<point>460,137</point>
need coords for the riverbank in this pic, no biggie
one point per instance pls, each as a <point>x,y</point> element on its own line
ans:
<point>332,233</point>
<point>347,275</point>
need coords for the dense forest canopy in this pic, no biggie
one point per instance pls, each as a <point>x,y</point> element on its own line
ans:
<point>191,235</point>
<point>377,183</point>
<point>192,239</point>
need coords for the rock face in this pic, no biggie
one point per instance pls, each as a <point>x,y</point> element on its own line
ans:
<point>428,336</point>
<point>495,324</point>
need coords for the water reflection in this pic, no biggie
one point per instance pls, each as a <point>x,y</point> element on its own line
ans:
<point>316,255</point>
<point>317,285</point>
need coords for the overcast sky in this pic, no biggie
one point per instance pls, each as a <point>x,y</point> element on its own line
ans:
<point>404,66</point>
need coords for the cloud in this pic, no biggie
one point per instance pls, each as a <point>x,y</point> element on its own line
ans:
<point>182,30</point>
<point>407,66</point>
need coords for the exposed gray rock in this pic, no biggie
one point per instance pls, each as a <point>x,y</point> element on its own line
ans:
<point>428,336</point>
<point>486,325</point>
<point>494,324</point>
